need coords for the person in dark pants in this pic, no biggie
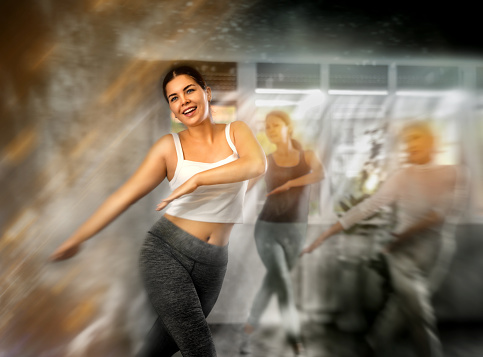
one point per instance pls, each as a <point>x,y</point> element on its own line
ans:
<point>282,224</point>
<point>429,199</point>
<point>184,256</point>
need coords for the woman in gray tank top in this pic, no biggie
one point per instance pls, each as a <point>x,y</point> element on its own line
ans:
<point>281,226</point>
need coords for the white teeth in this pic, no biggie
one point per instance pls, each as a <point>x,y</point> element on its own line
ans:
<point>189,110</point>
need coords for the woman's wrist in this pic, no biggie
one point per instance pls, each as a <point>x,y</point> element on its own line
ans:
<point>321,239</point>
<point>197,180</point>
<point>76,239</point>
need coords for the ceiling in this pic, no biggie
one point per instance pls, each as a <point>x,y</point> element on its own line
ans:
<point>243,30</point>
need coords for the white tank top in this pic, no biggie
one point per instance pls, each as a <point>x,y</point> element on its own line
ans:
<point>221,203</point>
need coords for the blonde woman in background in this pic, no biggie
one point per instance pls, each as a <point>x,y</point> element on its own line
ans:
<point>429,199</point>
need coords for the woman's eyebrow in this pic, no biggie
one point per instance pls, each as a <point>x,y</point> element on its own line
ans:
<point>185,88</point>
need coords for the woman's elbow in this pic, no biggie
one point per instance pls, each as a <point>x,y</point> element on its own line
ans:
<point>320,172</point>
<point>253,165</point>
<point>260,167</point>
<point>321,176</point>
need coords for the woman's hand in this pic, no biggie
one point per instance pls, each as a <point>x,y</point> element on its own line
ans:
<point>334,229</point>
<point>188,187</point>
<point>314,245</point>
<point>285,187</point>
<point>310,248</point>
<point>65,251</point>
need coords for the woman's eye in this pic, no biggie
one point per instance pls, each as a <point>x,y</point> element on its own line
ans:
<point>190,90</point>
<point>173,99</point>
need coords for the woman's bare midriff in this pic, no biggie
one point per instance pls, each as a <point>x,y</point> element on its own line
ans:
<point>209,232</point>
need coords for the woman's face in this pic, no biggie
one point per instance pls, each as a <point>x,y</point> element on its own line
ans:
<point>187,100</point>
<point>419,146</point>
<point>276,129</point>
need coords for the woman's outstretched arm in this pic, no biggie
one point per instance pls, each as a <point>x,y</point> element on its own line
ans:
<point>334,229</point>
<point>384,196</point>
<point>251,163</point>
<point>150,174</point>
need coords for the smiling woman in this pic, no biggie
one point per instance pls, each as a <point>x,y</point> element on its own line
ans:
<point>186,95</point>
<point>184,256</point>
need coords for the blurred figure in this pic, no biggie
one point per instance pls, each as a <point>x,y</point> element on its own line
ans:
<point>282,224</point>
<point>428,199</point>
<point>184,256</point>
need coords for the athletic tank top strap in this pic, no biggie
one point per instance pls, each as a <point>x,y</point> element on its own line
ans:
<point>177,145</point>
<point>228,138</point>
<point>220,203</point>
<point>302,158</point>
<point>179,149</point>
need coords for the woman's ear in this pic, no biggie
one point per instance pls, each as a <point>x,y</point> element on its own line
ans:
<point>208,93</point>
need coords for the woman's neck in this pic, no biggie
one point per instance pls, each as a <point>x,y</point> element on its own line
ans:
<point>203,131</point>
<point>284,149</point>
<point>286,155</point>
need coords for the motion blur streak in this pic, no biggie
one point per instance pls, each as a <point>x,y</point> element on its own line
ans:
<point>80,107</point>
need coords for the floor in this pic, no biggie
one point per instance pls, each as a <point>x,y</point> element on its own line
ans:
<point>463,340</point>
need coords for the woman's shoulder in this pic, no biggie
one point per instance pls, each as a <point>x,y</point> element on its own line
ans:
<point>240,130</point>
<point>399,173</point>
<point>233,127</point>
<point>164,145</point>
<point>454,173</point>
<point>238,125</point>
<point>309,155</point>
<point>165,139</point>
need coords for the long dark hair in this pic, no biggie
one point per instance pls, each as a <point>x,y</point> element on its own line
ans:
<point>180,70</point>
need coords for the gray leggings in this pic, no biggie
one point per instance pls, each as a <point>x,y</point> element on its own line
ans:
<point>278,245</point>
<point>183,277</point>
<point>408,307</point>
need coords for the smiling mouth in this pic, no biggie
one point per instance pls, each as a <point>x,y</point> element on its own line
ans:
<point>189,111</point>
